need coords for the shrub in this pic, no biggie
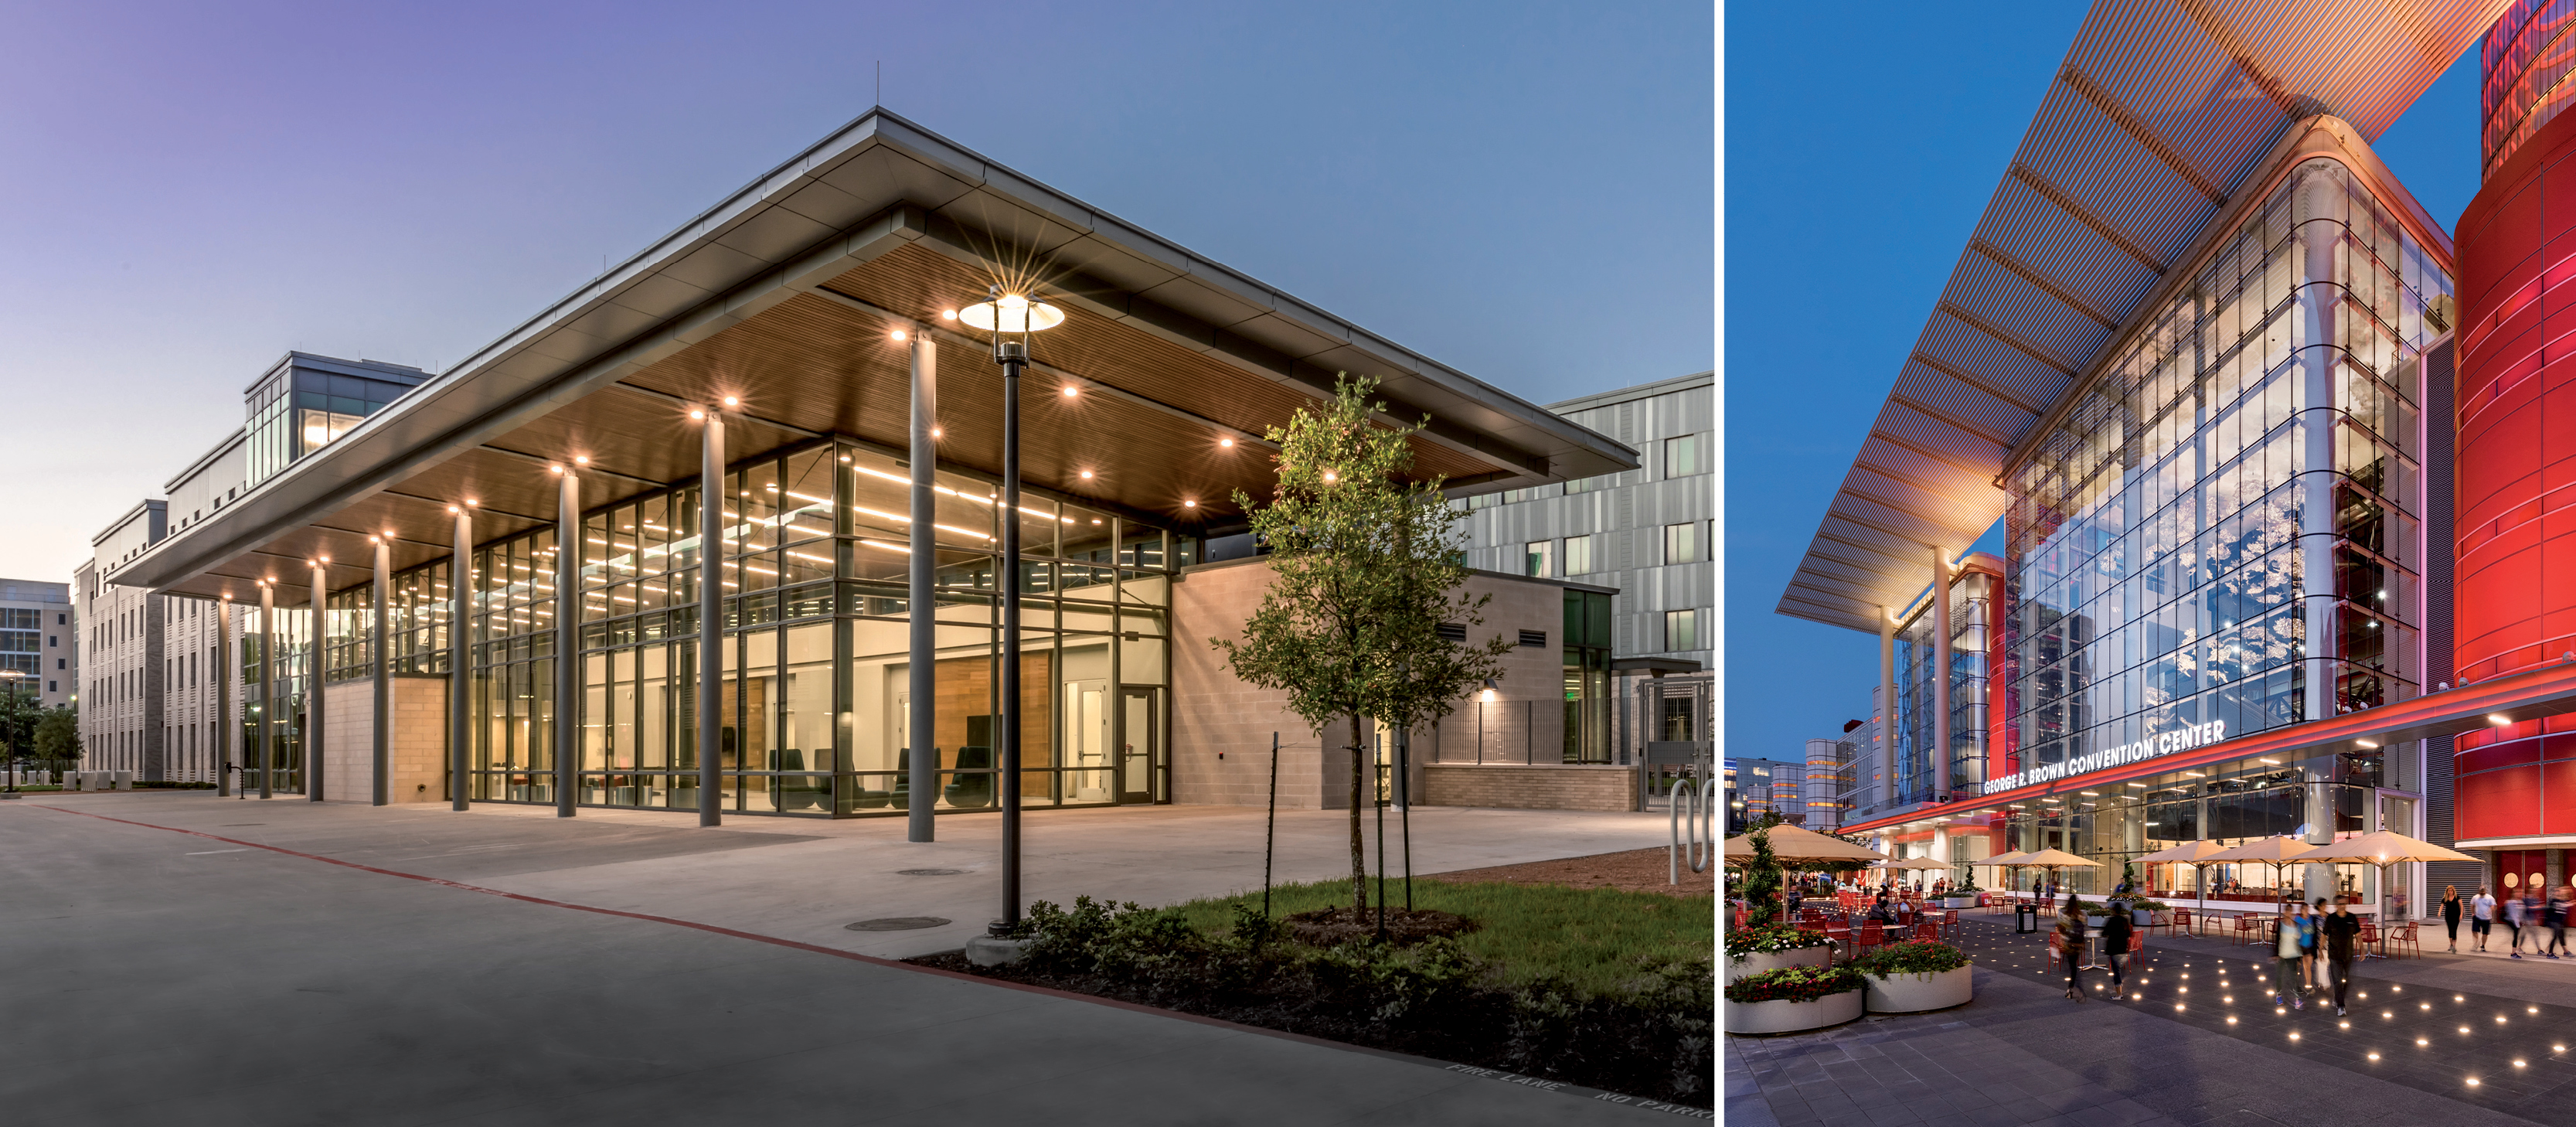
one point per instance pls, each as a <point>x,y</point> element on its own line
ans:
<point>1793,984</point>
<point>1106,938</point>
<point>1921,956</point>
<point>1768,940</point>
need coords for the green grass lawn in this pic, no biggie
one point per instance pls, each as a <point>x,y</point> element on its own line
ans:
<point>1594,939</point>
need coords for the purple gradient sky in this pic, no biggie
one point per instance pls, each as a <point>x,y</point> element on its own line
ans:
<point>1523,191</point>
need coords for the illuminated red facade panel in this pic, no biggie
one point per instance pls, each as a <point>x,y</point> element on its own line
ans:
<point>2515,593</point>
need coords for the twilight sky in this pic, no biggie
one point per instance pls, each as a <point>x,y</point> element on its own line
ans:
<point>1860,153</point>
<point>1521,190</point>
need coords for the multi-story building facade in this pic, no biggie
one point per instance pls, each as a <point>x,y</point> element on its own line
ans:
<point>1829,786</point>
<point>1754,788</point>
<point>158,706</point>
<point>1647,532</point>
<point>39,642</point>
<point>2208,395</point>
<point>511,582</point>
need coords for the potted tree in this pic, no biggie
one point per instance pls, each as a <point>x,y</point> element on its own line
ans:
<point>1962,896</point>
<point>1904,978</point>
<point>1789,999</point>
<point>1753,950</point>
<point>2149,913</point>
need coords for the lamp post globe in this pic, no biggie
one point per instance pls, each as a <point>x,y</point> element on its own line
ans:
<point>1010,318</point>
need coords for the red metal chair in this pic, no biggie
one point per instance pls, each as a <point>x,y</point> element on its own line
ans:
<point>2369,934</point>
<point>2405,937</point>
<point>2181,919</point>
<point>1870,935</point>
<point>2249,929</point>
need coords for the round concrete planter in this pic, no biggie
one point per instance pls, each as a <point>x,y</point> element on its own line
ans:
<point>1790,1017</point>
<point>1915,993</point>
<point>1773,960</point>
<point>1957,902</point>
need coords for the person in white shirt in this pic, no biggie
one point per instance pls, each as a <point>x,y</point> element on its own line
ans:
<point>2482,916</point>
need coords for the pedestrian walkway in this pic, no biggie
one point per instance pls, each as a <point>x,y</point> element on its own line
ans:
<point>2197,1041</point>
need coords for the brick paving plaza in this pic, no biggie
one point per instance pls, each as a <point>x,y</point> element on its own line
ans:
<point>2444,1039</point>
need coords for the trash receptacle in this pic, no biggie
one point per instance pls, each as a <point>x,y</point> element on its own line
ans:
<point>2025,917</point>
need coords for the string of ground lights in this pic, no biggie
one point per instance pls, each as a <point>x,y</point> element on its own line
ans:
<point>2502,1053</point>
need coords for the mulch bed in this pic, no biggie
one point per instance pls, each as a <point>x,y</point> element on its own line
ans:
<point>1635,870</point>
<point>1613,1046</point>
<point>1328,927</point>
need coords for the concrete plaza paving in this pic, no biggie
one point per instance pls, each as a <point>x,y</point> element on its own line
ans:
<point>158,976</point>
<point>2024,1054</point>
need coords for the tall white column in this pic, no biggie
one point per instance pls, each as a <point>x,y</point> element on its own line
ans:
<point>711,637</point>
<point>376,642</point>
<point>460,676</point>
<point>921,722</point>
<point>567,734</point>
<point>2319,295</point>
<point>313,713</point>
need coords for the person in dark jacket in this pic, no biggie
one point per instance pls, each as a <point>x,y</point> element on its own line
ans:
<point>2553,915</point>
<point>2070,947</point>
<point>2343,944</point>
<point>2451,906</point>
<point>2115,942</point>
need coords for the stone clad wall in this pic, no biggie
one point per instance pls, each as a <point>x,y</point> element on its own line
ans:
<point>1547,786</point>
<point>1221,726</point>
<point>417,756</point>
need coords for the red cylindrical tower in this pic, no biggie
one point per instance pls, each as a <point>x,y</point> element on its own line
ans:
<point>2515,593</point>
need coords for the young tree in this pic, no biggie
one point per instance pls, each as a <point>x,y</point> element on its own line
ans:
<point>1366,569</point>
<point>58,734</point>
<point>18,719</point>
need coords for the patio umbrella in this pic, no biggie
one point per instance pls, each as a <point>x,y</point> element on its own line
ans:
<point>1916,864</point>
<point>2273,851</point>
<point>1789,843</point>
<point>2192,853</point>
<point>2009,861</point>
<point>2055,859</point>
<point>2382,848</point>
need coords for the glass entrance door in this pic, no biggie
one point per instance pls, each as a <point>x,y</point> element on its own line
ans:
<point>1142,751</point>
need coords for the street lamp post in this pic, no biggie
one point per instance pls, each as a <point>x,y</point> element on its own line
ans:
<point>1008,315</point>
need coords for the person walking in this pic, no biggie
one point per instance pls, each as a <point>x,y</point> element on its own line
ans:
<point>2285,968</point>
<point>2513,919</point>
<point>2311,975</point>
<point>2451,914</point>
<point>2342,942</point>
<point>2482,917</point>
<point>2070,947</point>
<point>2116,929</point>
<point>2553,915</point>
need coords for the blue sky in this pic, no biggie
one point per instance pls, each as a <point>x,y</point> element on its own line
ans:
<point>1521,190</point>
<point>1859,154</point>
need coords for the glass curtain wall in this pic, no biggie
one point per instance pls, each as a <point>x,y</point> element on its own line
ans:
<point>817,688</point>
<point>2155,571</point>
<point>1587,677</point>
<point>288,668</point>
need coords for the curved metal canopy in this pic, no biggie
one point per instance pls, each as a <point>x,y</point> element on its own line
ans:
<point>2160,112</point>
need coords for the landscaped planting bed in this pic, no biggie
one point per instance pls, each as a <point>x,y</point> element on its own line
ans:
<point>1597,987</point>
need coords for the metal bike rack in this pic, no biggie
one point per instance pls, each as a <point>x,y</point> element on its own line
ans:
<point>1694,809</point>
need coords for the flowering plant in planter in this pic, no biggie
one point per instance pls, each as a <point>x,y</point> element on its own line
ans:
<point>1767,940</point>
<point>1921,956</point>
<point>1793,984</point>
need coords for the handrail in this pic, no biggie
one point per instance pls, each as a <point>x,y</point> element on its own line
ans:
<point>1691,840</point>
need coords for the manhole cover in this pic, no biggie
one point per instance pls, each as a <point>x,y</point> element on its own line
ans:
<point>930,872</point>
<point>898,923</point>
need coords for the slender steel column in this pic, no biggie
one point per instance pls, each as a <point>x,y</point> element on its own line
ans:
<point>922,753</point>
<point>567,641</point>
<point>382,791</point>
<point>460,677</point>
<point>711,636</point>
<point>1940,674</point>
<point>226,731</point>
<point>313,713</point>
<point>267,680</point>
<point>1014,355</point>
<point>1887,713</point>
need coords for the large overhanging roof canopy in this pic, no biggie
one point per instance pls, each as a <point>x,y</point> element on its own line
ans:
<point>785,296</point>
<point>2161,111</point>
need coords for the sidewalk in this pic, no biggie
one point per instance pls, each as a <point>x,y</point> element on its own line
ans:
<point>2024,1054</point>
